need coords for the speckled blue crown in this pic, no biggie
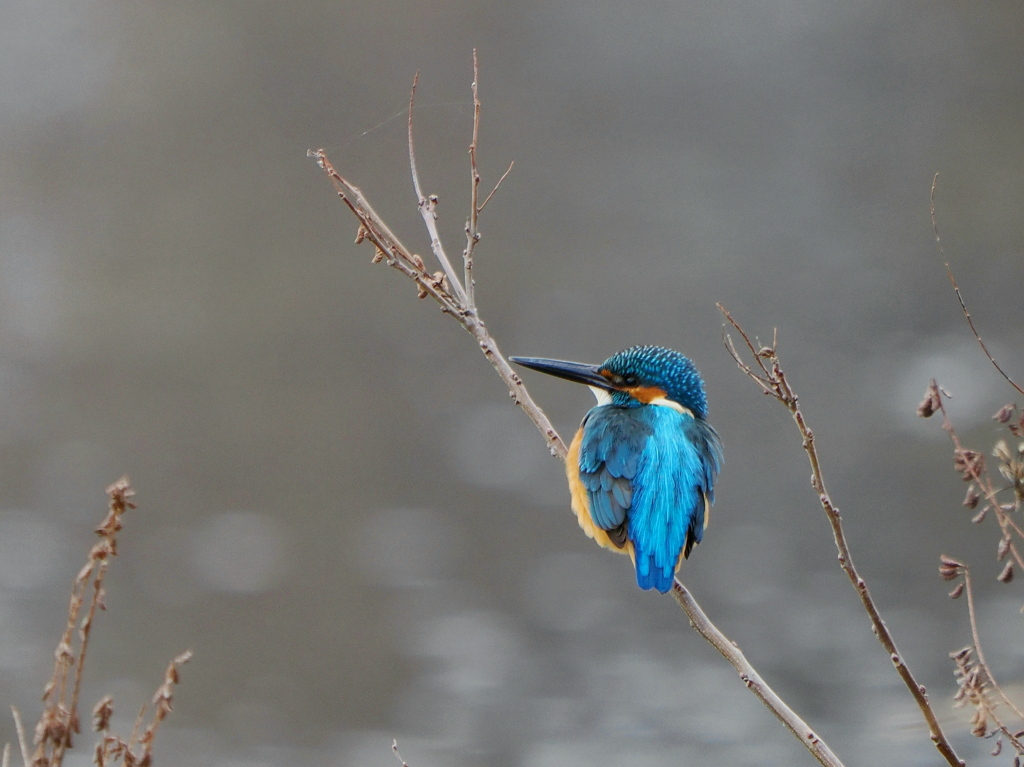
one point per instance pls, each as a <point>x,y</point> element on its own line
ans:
<point>667,369</point>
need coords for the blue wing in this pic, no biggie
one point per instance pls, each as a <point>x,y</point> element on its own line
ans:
<point>613,441</point>
<point>649,473</point>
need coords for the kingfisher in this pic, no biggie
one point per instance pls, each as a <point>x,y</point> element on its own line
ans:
<point>643,464</point>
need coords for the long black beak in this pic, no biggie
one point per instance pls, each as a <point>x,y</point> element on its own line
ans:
<point>570,371</point>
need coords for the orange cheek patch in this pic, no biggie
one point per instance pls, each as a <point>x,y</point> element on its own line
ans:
<point>646,394</point>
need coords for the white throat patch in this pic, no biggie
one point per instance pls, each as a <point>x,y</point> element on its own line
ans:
<point>664,402</point>
<point>605,398</point>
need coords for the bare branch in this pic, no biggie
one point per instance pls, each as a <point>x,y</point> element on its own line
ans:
<point>959,297</point>
<point>428,210</point>
<point>389,247</point>
<point>373,228</point>
<point>773,381</point>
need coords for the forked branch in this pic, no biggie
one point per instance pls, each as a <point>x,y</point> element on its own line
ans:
<point>428,210</point>
<point>766,371</point>
<point>976,685</point>
<point>457,300</point>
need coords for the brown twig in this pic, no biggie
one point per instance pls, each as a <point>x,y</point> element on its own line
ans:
<point>59,720</point>
<point>391,250</point>
<point>137,750</point>
<point>457,304</point>
<point>959,297</point>
<point>396,255</point>
<point>971,466</point>
<point>162,705</point>
<point>974,675</point>
<point>475,207</point>
<point>767,372</point>
<point>487,199</point>
<point>472,229</point>
<point>976,637</point>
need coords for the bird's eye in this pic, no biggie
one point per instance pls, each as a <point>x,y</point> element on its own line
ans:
<point>630,380</point>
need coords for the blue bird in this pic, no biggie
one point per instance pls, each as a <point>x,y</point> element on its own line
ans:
<point>643,463</point>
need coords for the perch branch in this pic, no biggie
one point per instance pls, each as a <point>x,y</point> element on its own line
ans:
<point>766,371</point>
<point>732,653</point>
<point>959,297</point>
<point>459,305</point>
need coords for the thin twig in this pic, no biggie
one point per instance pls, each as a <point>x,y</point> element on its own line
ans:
<point>428,210</point>
<point>389,247</point>
<point>770,377</point>
<point>959,297</point>
<point>980,652</point>
<point>22,741</point>
<point>974,676</point>
<point>163,702</point>
<point>84,631</point>
<point>487,199</point>
<point>398,756</point>
<point>136,728</point>
<point>472,228</point>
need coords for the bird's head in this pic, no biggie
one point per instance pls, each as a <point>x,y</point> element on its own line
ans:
<point>636,376</point>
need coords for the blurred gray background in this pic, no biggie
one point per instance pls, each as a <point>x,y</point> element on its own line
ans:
<point>339,509</point>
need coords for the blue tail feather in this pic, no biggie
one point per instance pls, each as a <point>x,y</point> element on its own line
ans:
<point>647,471</point>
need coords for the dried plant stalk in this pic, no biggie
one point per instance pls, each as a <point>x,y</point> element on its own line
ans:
<point>970,464</point>
<point>59,720</point>
<point>976,685</point>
